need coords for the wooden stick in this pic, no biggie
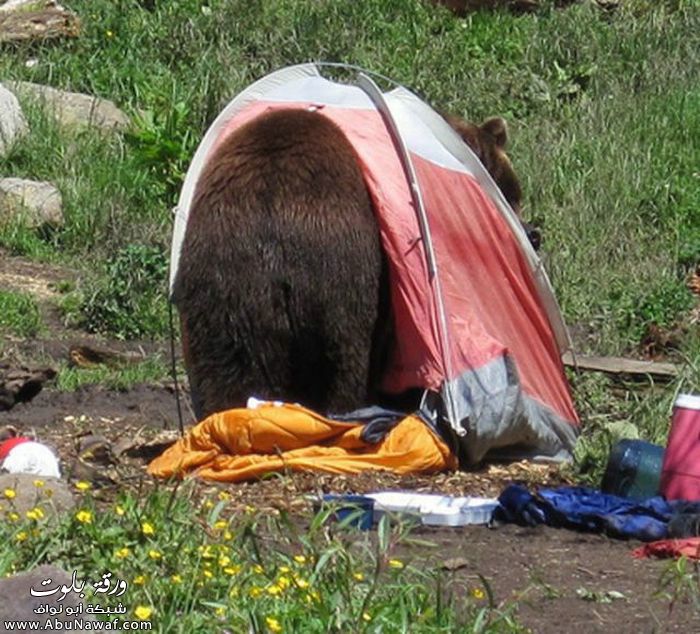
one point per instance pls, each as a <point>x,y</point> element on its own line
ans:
<point>620,365</point>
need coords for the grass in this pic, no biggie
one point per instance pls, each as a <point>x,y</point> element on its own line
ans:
<point>19,314</point>
<point>121,378</point>
<point>197,568</point>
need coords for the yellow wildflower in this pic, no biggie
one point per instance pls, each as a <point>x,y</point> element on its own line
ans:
<point>139,580</point>
<point>147,528</point>
<point>232,570</point>
<point>122,553</point>
<point>220,612</point>
<point>301,583</point>
<point>154,554</point>
<point>224,561</point>
<point>13,517</point>
<point>206,551</point>
<point>21,536</point>
<point>224,496</point>
<point>228,535</point>
<point>478,593</point>
<point>119,510</point>
<point>273,624</point>
<point>109,34</point>
<point>396,563</point>
<point>220,525</point>
<point>258,569</point>
<point>358,576</point>
<point>10,494</point>
<point>39,483</point>
<point>143,613</point>
<point>35,514</point>
<point>82,485</point>
<point>84,517</point>
<point>207,573</point>
<point>176,579</point>
<point>300,559</point>
<point>273,591</point>
<point>313,595</point>
<point>284,582</point>
<point>255,592</point>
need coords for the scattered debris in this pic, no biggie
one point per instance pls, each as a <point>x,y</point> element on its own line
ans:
<point>607,596</point>
<point>22,20</point>
<point>138,447</point>
<point>19,385</point>
<point>83,356</point>
<point>456,563</point>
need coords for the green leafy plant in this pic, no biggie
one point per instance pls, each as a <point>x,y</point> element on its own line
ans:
<point>129,299</point>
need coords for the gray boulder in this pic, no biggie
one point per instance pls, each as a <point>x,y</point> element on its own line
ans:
<point>36,203</point>
<point>53,497</point>
<point>12,122</point>
<point>18,604</point>
<point>72,109</point>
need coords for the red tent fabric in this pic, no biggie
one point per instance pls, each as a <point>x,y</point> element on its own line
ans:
<point>477,324</point>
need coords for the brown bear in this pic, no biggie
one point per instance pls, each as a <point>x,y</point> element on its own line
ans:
<point>282,287</point>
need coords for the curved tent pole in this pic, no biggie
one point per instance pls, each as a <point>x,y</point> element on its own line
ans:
<point>374,93</point>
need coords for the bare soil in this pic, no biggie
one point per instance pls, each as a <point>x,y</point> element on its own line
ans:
<point>557,580</point>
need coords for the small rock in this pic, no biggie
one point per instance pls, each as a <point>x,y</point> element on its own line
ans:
<point>72,109</point>
<point>37,20</point>
<point>18,604</point>
<point>54,496</point>
<point>12,122</point>
<point>38,203</point>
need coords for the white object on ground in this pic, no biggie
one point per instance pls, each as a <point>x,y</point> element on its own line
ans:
<point>435,510</point>
<point>32,457</point>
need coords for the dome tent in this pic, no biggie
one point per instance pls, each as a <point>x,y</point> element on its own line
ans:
<point>477,325</point>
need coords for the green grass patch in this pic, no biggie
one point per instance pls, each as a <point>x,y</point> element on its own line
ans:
<point>196,568</point>
<point>19,314</point>
<point>122,378</point>
<point>127,298</point>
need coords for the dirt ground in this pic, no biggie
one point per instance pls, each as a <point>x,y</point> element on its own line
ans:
<point>562,580</point>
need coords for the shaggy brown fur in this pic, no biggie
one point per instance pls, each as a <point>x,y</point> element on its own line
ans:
<point>278,284</point>
<point>281,286</point>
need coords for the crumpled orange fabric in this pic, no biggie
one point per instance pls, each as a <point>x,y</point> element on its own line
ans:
<point>241,444</point>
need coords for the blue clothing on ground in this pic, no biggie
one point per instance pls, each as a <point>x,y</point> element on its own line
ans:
<point>588,509</point>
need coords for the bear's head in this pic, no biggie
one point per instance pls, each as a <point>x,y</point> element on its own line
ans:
<point>488,141</point>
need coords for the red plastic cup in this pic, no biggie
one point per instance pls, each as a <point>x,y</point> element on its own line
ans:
<point>680,474</point>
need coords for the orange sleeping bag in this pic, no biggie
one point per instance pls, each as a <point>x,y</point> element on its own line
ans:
<point>241,444</point>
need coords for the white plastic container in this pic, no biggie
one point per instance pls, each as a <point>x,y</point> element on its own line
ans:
<point>434,510</point>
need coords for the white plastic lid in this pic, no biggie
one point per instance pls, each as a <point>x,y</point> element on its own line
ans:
<point>688,401</point>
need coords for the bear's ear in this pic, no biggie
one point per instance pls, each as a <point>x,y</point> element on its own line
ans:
<point>497,128</point>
